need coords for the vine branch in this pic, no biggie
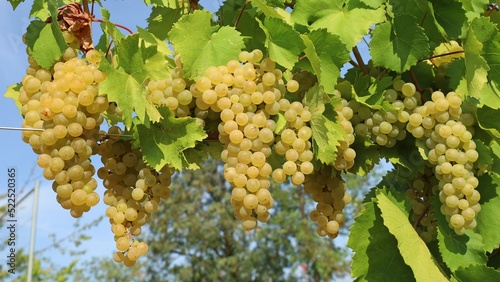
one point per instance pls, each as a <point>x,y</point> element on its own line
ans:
<point>414,80</point>
<point>240,14</point>
<point>492,7</point>
<point>86,6</point>
<point>359,59</point>
<point>117,25</point>
<point>441,55</point>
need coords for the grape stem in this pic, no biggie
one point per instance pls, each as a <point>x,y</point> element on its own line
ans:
<point>492,7</point>
<point>117,25</point>
<point>241,13</point>
<point>414,79</point>
<point>359,59</point>
<point>108,50</point>
<point>425,16</point>
<point>417,222</point>
<point>441,55</point>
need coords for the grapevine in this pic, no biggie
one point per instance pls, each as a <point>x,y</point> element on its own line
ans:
<point>263,89</point>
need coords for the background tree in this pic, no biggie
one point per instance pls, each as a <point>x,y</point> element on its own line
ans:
<point>201,241</point>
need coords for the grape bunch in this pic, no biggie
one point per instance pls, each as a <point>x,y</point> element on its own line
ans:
<point>294,144</point>
<point>243,97</point>
<point>421,192</point>
<point>329,192</point>
<point>447,134</point>
<point>133,191</point>
<point>63,106</point>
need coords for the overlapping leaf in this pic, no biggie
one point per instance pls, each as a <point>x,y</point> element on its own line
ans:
<point>349,22</point>
<point>324,51</point>
<point>325,131</point>
<point>413,250</point>
<point>376,255</point>
<point>398,45</point>
<point>166,142</point>
<point>45,43</point>
<point>488,219</point>
<point>162,19</point>
<point>125,83</point>
<point>282,41</point>
<point>202,44</point>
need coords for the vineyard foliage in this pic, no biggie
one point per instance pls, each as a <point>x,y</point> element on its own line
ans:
<point>279,90</point>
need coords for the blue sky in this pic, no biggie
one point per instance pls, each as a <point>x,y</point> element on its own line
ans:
<point>15,153</point>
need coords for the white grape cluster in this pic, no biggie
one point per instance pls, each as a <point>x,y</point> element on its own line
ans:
<point>294,143</point>
<point>448,134</point>
<point>133,191</point>
<point>63,103</point>
<point>244,96</point>
<point>345,154</point>
<point>420,193</point>
<point>329,192</point>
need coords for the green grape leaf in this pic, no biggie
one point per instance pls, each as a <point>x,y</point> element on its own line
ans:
<point>490,95</point>
<point>370,91</point>
<point>201,44</point>
<point>281,123</point>
<point>376,255</point>
<point>487,118</point>
<point>45,43</point>
<point>487,33</point>
<point>267,10</point>
<point>324,51</point>
<point>373,3</point>
<point>484,152</point>
<point>165,142</point>
<point>349,22</point>
<point>125,83</point>
<point>15,3</point>
<point>326,133</point>
<point>411,247</point>
<point>150,39</point>
<point>367,155</point>
<point>40,9</point>
<point>161,20</point>
<point>474,8</point>
<point>163,3</point>
<point>488,219</point>
<point>476,65</point>
<point>425,17</point>
<point>469,75</point>
<point>251,32</point>
<point>13,93</point>
<point>450,16</point>
<point>477,273</point>
<point>398,45</point>
<point>457,250</point>
<point>229,11</point>
<point>108,27</point>
<point>406,155</point>
<point>316,99</point>
<point>283,42</point>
